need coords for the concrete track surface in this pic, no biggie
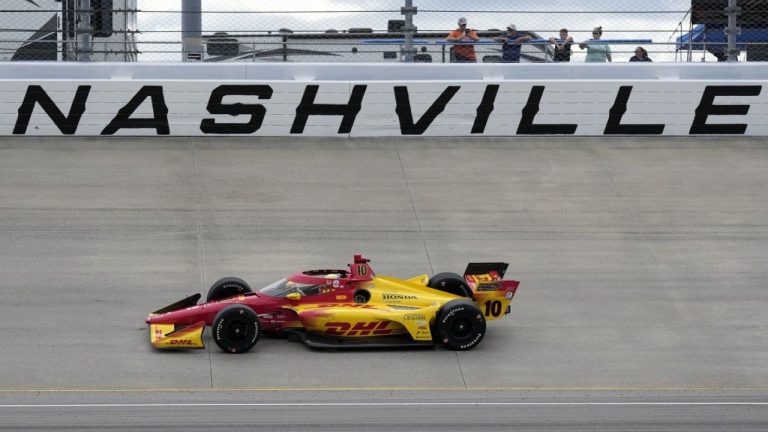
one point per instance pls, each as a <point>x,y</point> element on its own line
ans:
<point>643,303</point>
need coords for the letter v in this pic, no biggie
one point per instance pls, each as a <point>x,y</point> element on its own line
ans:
<point>403,110</point>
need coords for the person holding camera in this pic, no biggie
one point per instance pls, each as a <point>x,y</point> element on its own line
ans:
<point>463,53</point>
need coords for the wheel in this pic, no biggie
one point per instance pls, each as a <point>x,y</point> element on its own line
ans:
<point>362,296</point>
<point>450,283</point>
<point>236,329</point>
<point>227,287</point>
<point>460,325</point>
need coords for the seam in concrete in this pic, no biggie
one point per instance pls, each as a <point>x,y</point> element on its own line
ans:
<point>200,240</point>
<point>413,206</point>
<point>461,371</point>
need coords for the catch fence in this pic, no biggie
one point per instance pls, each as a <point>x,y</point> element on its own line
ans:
<point>346,31</point>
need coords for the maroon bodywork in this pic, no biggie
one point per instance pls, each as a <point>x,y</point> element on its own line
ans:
<point>272,316</point>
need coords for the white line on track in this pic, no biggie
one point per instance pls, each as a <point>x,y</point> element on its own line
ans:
<point>378,404</point>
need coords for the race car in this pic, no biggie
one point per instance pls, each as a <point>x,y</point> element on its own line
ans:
<point>352,308</point>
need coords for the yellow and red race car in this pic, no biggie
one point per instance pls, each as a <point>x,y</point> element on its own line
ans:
<point>350,308</point>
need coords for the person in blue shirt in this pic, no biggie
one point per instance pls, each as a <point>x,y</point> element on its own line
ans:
<point>511,44</point>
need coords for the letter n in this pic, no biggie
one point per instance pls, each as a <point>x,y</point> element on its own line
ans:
<point>66,124</point>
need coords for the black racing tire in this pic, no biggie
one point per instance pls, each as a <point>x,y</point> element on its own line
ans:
<point>227,287</point>
<point>362,296</point>
<point>460,325</point>
<point>236,329</point>
<point>450,283</point>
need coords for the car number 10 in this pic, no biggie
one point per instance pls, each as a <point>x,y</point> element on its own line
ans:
<point>493,308</point>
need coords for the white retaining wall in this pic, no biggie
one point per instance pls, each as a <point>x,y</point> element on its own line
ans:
<point>383,99</point>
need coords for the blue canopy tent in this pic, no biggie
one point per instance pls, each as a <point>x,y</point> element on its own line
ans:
<point>715,41</point>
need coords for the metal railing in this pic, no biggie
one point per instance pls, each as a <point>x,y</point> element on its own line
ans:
<point>378,30</point>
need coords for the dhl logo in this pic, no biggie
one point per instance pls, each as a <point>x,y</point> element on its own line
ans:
<point>180,342</point>
<point>486,277</point>
<point>355,305</point>
<point>375,328</point>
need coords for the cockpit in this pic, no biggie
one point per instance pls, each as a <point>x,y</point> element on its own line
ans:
<point>283,287</point>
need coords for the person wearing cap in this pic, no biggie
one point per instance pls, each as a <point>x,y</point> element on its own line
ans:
<point>463,53</point>
<point>510,48</point>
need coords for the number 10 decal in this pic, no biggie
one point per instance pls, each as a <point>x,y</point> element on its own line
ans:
<point>493,308</point>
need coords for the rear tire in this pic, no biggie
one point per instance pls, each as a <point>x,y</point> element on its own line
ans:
<point>460,325</point>
<point>227,287</point>
<point>450,283</point>
<point>236,329</point>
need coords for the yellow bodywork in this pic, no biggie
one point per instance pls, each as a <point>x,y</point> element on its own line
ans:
<point>166,336</point>
<point>395,307</point>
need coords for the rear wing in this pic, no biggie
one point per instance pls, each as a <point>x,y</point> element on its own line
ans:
<point>490,291</point>
<point>485,268</point>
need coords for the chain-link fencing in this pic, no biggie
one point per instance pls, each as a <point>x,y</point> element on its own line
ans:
<point>348,31</point>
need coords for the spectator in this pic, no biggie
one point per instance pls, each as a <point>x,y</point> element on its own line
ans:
<point>596,52</point>
<point>463,53</point>
<point>511,44</point>
<point>562,46</point>
<point>641,55</point>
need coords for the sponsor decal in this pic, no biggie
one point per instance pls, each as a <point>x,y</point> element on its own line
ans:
<point>180,342</point>
<point>451,313</point>
<point>473,342</point>
<point>414,317</point>
<point>158,333</point>
<point>331,305</point>
<point>341,297</point>
<point>391,296</point>
<point>336,283</point>
<point>371,328</point>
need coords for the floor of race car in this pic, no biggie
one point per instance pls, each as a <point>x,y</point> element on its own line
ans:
<point>320,342</point>
<point>643,262</point>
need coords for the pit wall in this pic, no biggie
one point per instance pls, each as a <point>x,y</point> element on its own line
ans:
<point>383,99</point>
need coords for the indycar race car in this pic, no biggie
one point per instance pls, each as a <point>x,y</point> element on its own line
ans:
<point>342,309</point>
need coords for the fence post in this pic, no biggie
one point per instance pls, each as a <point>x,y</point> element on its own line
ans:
<point>191,31</point>
<point>732,11</point>
<point>85,31</point>
<point>409,30</point>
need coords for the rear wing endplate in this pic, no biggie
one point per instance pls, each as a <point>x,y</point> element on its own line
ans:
<point>484,268</point>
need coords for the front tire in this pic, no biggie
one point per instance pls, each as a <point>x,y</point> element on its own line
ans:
<point>236,329</point>
<point>227,287</point>
<point>450,283</point>
<point>460,325</point>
